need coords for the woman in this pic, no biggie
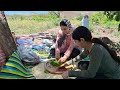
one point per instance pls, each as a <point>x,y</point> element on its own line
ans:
<point>65,48</point>
<point>103,62</point>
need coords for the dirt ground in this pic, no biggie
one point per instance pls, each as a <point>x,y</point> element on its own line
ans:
<point>38,72</point>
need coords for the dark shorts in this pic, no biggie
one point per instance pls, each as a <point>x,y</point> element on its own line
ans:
<point>83,65</point>
<point>74,53</point>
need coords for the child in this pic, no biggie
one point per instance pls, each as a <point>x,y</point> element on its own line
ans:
<point>85,21</point>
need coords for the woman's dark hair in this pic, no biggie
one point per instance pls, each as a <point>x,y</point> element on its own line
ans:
<point>83,32</point>
<point>62,23</point>
<point>61,40</point>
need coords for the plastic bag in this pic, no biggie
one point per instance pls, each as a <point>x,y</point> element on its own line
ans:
<point>47,42</point>
<point>27,55</point>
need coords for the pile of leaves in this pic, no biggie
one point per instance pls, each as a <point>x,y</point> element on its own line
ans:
<point>55,63</point>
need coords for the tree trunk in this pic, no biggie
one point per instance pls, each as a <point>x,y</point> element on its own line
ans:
<point>7,42</point>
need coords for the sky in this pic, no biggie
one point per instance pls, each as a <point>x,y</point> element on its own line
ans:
<point>24,12</point>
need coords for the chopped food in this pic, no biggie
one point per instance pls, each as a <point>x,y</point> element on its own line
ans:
<point>70,66</point>
<point>55,63</point>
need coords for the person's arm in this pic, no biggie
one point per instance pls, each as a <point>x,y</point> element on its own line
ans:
<point>79,57</point>
<point>95,59</point>
<point>70,49</point>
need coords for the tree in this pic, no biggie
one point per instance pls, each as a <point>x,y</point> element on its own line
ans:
<point>7,42</point>
<point>57,13</point>
<point>113,15</point>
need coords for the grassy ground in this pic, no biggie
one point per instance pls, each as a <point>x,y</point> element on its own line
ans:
<point>29,26</point>
<point>41,23</point>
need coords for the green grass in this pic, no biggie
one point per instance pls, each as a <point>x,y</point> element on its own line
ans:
<point>29,26</point>
<point>40,23</point>
<point>32,24</point>
<point>75,22</point>
<point>112,24</point>
<point>100,19</point>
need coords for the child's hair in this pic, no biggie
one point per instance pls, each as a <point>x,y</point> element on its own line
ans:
<point>86,16</point>
<point>83,32</point>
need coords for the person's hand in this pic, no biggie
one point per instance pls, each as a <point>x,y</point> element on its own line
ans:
<point>65,75</point>
<point>62,59</point>
<point>67,63</point>
<point>64,64</point>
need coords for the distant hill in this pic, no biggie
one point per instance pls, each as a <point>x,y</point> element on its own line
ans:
<point>71,14</point>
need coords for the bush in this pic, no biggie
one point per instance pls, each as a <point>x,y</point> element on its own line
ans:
<point>96,18</point>
<point>104,19</point>
<point>79,17</point>
<point>113,15</point>
<point>111,24</point>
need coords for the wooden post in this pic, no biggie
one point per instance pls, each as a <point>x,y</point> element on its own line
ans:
<point>7,42</point>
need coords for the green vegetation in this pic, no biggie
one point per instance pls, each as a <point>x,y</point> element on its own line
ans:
<point>55,63</point>
<point>32,24</point>
<point>97,19</point>
<point>40,23</point>
<point>101,19</point>
<point>113,15</point>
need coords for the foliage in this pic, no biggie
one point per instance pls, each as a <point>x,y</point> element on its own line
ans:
<point>32,23</point>
<point>55,63</point>
<point>113,15</point>
<point>39,23</point>
<point>79,17</point>
<point>96,18</point>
